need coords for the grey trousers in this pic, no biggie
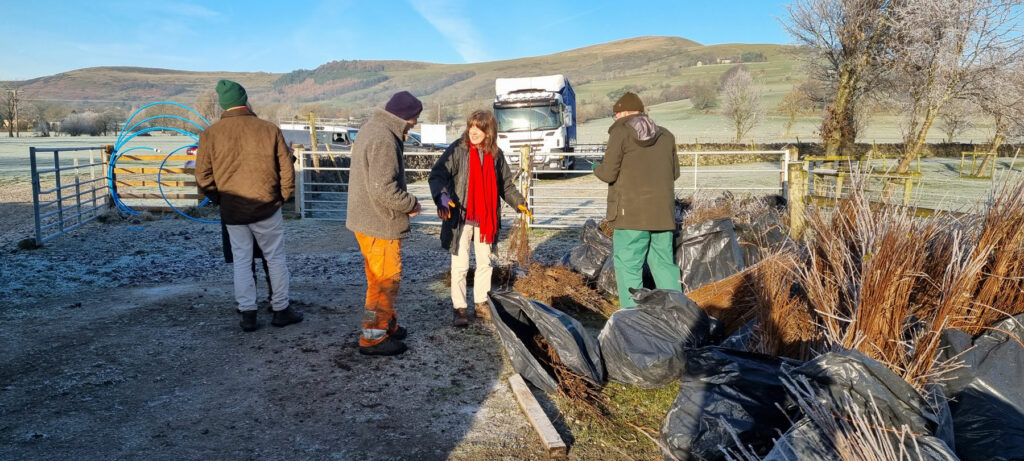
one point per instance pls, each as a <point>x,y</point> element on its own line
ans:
<point>269,235</point>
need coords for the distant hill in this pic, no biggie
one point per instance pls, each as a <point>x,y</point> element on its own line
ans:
<point>646,64</point>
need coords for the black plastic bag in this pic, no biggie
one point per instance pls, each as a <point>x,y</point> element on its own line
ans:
<point>519,319</point>
<point>707,252</point>
<point>588,257</point>
<point>806,441</point>
<point>740,339</point>
<point>606,281</point>
<point>987,396</point>
<point>866,380</point>
<point>644,345</point>
<point>723,388</point>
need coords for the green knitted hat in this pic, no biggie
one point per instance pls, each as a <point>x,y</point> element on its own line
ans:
<point>230,94</point>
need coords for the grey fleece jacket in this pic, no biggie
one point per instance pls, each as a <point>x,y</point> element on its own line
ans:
<point>378,199</point>
<point>640,166</point>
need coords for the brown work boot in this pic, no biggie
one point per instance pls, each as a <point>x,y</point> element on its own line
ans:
<point>460,319</point>
<point>483,312</point>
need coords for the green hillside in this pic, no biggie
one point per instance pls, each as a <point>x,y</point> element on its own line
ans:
<point>647,64</point>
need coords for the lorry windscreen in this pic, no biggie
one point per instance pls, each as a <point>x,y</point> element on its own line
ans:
<point>528,118</point>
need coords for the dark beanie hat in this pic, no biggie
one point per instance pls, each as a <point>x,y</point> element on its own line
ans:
<point>231,94</point>
<point>404,105</point>
<point>628,102</point>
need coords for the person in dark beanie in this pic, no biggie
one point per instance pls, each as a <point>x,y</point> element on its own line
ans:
<point>378,212</point>
<point>640,166</point>
<point>244,165</point>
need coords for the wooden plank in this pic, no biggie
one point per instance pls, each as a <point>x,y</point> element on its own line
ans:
<point>157,158</point>
<point>548,435</point>
<point>154,170</point>
<point>174,196</point>
<point>155,183</point>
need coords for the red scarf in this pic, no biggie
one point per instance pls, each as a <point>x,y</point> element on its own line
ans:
<point>482,195</point>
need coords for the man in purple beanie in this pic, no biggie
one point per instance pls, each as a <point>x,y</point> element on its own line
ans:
<point>379,208</point>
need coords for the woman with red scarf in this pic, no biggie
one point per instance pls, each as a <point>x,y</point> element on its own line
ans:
<point>466,183</point>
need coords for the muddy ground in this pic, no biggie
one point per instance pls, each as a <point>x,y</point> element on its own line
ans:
<point>120,341</point>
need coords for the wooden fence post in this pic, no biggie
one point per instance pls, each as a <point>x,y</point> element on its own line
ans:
<point>526,163</point>
<point>797,199</point>
<point>908,185</point>
<point>108,150</point>
<point>300,181</point>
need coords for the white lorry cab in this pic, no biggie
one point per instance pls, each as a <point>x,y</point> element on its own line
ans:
<point>539,112</point>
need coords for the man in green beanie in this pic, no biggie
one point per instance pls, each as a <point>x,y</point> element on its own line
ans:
<point>244,165</point>
<point>640,166</point>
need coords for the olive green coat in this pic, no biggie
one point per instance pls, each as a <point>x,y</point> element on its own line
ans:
<point>640,166</point>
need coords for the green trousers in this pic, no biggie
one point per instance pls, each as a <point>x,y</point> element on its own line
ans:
<point>632,248</point>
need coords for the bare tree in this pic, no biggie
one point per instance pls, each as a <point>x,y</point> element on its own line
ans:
<point>705,92</point>
<point>8,108</point>
<point>741,102</point>
<point>793,104</point>
<point>957,117</point>
<point>845,39</point>
<point>208,106</point>
<point>944,50</point>
<point>1002,99</point>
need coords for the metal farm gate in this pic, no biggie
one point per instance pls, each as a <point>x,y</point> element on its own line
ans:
<point>559,199</point>
<point>68,188</point>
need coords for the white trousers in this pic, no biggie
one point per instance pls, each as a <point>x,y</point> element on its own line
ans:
<point>269,235</point>
<point>470,238</point>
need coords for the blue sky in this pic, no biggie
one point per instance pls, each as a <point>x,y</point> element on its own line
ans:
<point>44,37</point>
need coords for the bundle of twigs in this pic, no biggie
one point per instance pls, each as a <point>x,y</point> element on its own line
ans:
<point>519,243</point>
<point>887,283</point>
<point>732,300</point>
<point>572,385</point>
<point>862,267</point>
<point>703,206</point>
<point>786,325</point>
<point>560,287</point>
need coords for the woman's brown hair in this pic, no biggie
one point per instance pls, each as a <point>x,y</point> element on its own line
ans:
<point>484,121</point>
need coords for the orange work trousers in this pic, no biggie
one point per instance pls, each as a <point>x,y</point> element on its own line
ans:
<point>382,259</point>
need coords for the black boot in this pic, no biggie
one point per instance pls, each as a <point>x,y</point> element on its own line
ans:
<point>249,322</point>
<point>460,318</point>
<point>286,316</point>
<point>400,333</point>
<point>389,346</point>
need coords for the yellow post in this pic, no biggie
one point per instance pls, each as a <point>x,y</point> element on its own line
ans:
<point>839,185</point>
<point>312,132</point>
<point>797,199</point>
<point>526,162</point>
<point>908,184</point>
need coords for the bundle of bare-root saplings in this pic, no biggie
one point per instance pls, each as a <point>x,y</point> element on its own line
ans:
<point>876,334</point>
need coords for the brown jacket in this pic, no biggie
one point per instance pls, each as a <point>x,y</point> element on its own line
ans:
<point>379,202</point>
<point>243,163</point>
<point>640,166</point>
